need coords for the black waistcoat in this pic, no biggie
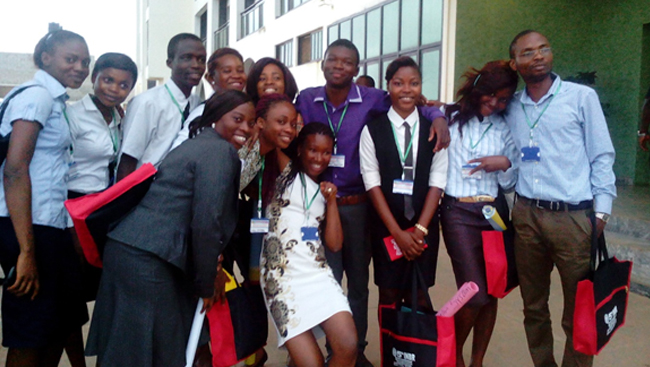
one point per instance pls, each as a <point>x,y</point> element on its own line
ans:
<point>390,169</point>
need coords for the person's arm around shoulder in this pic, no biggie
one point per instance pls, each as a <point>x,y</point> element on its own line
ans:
<point>333,229</point>
<point>439,127</point>
<point>644,137</point>
<point>18,196</point>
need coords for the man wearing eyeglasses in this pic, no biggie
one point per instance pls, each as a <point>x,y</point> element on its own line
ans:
<point>565,175</point>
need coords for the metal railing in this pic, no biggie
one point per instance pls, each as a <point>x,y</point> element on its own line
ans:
<point>252,18</point>
<point>221,36</point>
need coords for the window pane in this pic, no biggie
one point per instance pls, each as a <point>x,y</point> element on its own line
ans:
<point>432,26</point>
<point>410,23</point>
<point>316,45</point>
<point>345,30</point>
<point>390,22</point>
<point>373,71</point>
<point>359,35</point>
<point>430,64</point>
<point>384,65</point>
<point>374,33</point>
<point>332,33</point>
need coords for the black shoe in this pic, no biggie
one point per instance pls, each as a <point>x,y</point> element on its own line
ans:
<point>362,361</point>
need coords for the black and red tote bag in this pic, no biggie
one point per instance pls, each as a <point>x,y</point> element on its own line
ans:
<point>239,326</point>
<point>93,214</point>
<point>601,299</point>
<point>415,338</point>
<point>500,268</point>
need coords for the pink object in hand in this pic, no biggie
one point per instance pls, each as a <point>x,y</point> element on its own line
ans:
<point>464,294</point>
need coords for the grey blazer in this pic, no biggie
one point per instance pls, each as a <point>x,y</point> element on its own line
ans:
<point>190,211</point>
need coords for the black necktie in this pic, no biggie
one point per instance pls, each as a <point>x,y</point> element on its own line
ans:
<point>186,113</point>
<point>409,213</point>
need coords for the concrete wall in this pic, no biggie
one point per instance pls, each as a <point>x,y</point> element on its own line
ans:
<point>603,36</point>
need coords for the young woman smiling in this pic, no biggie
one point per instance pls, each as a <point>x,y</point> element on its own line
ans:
<point>480,156</point>
<point>43,310</point>
<point>404,180</point>
<point>300,291</point>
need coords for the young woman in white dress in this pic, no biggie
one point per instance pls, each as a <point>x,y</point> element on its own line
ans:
<point>299,288</point>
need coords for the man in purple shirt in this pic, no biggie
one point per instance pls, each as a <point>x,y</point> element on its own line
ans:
<point>347,107</point>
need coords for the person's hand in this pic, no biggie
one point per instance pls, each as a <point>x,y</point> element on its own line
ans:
<point>600,226</point>
<point>440,129</point>
<point>328,190</point>
<point>26,276</point>
<point>220,286</point>
<point>409,243</point>
<point>207,304</point>
<point>255,134</point>
<point>644,142</point>
<point>491,164</point>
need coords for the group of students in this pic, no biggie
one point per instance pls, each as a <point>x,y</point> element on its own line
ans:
<point>296,189</point>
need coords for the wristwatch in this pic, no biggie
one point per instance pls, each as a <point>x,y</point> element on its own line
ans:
<point>603,216</point>
<point>641,134</point>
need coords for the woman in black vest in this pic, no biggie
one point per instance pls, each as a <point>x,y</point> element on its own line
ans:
<point>404,180</point>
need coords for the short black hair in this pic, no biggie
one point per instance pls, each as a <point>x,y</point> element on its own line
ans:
<point>173,43</point>
<point>342,42</point>
<point>50,41</point>
<point>401,62</point>
<point>517,37</point>
<point>369,80</point>
<point>117,61</point>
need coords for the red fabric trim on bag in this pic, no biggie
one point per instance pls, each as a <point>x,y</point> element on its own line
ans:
<point>584,319</point>
<point>496,263</point>
<point>608,298</point>
<point>409,339</point>
<point>446,353</point>
<point>627,296</point>
<point>80,208</point>
<point>222,336</point>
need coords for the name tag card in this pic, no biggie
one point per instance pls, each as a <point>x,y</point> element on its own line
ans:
<point>467,168</point>
<point>530,154</point>
<point>337,161</point>
<point>404,187</point>
<point>309,233</point>
<point>259,225</point>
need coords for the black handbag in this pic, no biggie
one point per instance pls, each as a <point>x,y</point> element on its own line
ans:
<point>4,139</point>
<point>601,298</point>
<point>411,337</point>
<point>238,327</point>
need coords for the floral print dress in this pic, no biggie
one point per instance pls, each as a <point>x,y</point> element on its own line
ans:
<point>299,288</point>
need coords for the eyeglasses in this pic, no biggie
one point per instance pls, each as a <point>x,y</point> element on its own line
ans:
<point>531,53</point>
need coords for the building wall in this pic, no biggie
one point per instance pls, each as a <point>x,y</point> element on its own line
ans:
<point>157,22</point>
<point>604,36</point>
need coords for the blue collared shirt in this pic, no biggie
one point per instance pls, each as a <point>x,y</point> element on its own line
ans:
<point>480,139</point>
<point>48,169</point>
<point>576,151</point>
<point>364,104</point>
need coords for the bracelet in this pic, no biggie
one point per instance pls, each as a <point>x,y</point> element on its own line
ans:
<point>422,228</point>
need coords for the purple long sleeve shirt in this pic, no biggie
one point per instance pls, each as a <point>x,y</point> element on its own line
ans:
<point>364,105</point>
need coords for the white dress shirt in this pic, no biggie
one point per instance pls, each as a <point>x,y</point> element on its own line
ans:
<point>368,156</point>
<point>95,145</point>
<point>48,169</point>
<point>576,151</point>
<point>184,133</point>
<point>152,122</point>
<point>480,139</point>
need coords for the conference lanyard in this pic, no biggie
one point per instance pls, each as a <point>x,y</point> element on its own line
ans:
<point>403,155</point>
<point>259,189</point>
<point>471,143</point>
<point>180,110</point>
<point>534,125</point>
<point>338,127</point>
<point>306,203</point>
